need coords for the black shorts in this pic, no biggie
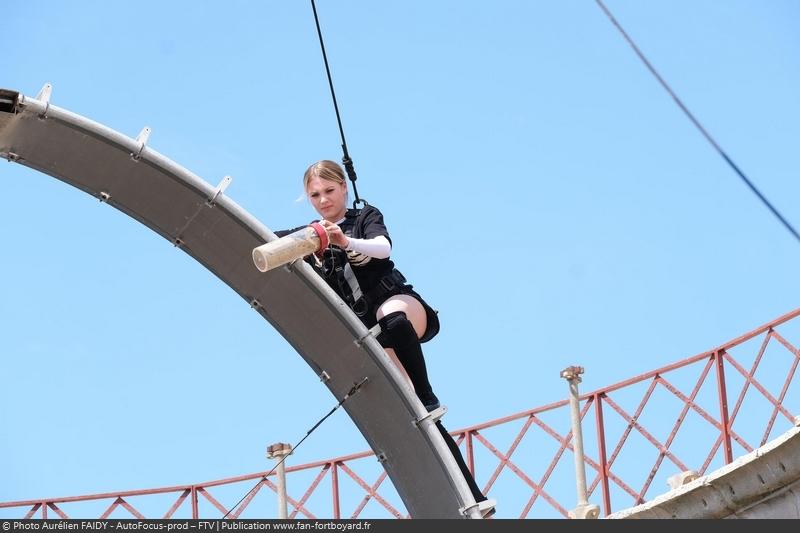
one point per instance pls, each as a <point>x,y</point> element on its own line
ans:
<point>432,328</point>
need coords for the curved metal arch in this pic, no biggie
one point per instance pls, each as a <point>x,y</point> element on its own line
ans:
<point>210,227</point>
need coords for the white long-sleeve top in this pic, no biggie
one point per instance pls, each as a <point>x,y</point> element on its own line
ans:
<point>378,247</point>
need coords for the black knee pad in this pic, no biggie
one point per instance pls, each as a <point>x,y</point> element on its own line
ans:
<point>397,331</point>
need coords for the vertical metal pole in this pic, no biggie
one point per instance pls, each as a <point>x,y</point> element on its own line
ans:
<point>335,486</point>
<point>723,407</point>
<point>601,450</point>
<point>279,451</point>
<point>470,452</point>
<point>577,441</point>
<point>584,509</point>
<point>195,509</point>
<point>283,511</point>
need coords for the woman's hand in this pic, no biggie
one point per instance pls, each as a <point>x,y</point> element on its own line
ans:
<point>335,234</point>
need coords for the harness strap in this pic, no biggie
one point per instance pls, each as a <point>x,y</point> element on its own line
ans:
<point>386,285</point>
<point>350,278</point>
<point>359,300</point>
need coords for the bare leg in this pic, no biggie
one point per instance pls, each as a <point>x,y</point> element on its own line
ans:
<point>396,361</point>
<point>408,305</point>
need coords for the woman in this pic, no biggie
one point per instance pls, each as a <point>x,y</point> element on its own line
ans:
<point>358,268</point>
<point>356,265</point>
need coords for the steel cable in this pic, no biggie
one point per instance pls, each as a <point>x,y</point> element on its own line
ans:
<point>350,393</point>
<point>348,163</point>
<point>697,124</point>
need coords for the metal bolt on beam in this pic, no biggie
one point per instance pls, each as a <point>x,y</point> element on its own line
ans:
<point>279,451</point>
<point>584,509</point>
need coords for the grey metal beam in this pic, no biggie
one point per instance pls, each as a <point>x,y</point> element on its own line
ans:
<point>209,226</point>
<point>764,483</point>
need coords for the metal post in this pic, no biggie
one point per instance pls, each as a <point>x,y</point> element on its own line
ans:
<point>601,450</point>
<point>278,452</point>
<point>723,406</point>
<point>335,490</point>
<point>584,509</point>
<point>195,507</point>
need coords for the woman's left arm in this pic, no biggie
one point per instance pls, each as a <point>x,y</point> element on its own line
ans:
<point>377,247</point>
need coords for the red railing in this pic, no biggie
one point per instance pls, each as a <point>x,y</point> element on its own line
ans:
<point>666,421</point>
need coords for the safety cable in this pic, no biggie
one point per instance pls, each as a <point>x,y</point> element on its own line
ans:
<point>696,122</point>
<point>350,393</point>
<point>348,163</point>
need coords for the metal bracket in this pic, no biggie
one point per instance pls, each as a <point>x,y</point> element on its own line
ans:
<point>434,416</point>
<point>374,331</point>
<point>9,101</point>
<point>10,156</point>
<point>290,266</point>
<point>381,457</point>
<point>585,511</point>
<point>177,242</point>
<point>44,97</point>
<point>104,197</point>
<point>141,139</point>
<point>485,508</point>
<point>255,304</point>
<point>209,201</point>
<point>226,181</point>
<point>324,376</point>
<point>356,387</point>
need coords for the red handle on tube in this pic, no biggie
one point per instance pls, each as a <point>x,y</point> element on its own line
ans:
<point>322,234</point>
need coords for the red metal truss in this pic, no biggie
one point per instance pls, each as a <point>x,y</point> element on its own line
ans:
<point>613,427</point>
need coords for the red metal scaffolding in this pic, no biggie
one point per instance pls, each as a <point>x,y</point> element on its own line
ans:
<point>636,432</point>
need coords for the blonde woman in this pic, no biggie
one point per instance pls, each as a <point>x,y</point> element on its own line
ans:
<point>357,265</point>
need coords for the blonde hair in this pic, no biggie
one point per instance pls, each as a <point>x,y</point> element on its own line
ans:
<point>326,170</point>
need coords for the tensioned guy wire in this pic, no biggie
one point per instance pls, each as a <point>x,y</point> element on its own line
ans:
<point>348,163</point>
<point>350,393</point>
<point>696,122</point>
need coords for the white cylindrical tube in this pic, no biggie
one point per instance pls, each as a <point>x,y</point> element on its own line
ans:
<point>279,452</point>
<point>283,513</point>
<point>290,247</point>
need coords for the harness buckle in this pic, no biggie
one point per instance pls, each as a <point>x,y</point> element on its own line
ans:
<point>388,283</point>
<point>360,306</point>
<point>392,280</point>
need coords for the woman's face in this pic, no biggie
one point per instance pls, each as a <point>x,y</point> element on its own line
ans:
<point>328,198</point>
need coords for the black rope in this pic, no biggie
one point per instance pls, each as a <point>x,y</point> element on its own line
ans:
<point>696,122</point>
<point>346,161</point>
<point>350,393</point>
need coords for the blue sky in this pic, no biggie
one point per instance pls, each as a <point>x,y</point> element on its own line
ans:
<point>542,191</point>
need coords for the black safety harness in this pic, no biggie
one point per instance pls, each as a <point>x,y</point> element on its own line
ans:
<point>339,273</point>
